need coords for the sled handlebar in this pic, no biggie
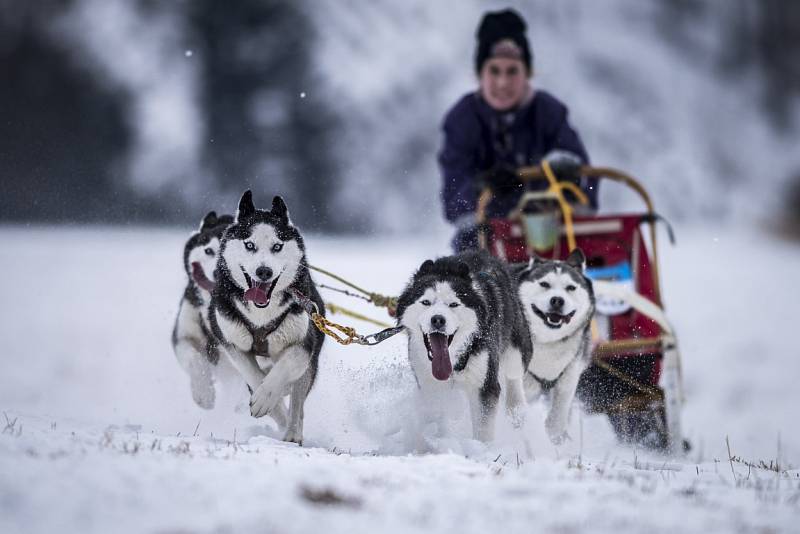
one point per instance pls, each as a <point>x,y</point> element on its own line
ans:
<point>536,173</point>
<point>532,174</point>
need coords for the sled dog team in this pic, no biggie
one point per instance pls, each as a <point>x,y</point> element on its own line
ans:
<point>471,320</point>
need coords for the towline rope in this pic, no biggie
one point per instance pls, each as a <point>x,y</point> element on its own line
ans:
<point>344,335</point>
<point>379,300</point>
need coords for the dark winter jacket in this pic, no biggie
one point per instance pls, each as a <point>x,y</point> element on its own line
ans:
<point>476,138</point>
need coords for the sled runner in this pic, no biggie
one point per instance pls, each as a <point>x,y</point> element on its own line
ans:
<point>635,375</point>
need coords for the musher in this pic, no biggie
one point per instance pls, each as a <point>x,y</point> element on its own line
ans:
<point>504,125</point>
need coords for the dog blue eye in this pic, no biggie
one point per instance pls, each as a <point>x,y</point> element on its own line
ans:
<point>426,302</point>
<point>454,304</point>
<point>249,245</point>
<point>545,285</point>
<point>277,247</point>
<point>570,288</point>
<point>209,251</point>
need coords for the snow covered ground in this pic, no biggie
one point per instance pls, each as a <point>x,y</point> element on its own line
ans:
<point>101,434</point>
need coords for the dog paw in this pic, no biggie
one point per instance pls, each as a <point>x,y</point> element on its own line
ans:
<point>203,393</point>
<point>558,438</point>
<point>294,436</point>
<point>557,432</point>
<point>517,416</point>
<point>263,400</point>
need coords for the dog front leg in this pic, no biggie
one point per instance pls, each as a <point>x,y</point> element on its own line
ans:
<point>246,365</point>
<point>196,364</point>
<point>297,400</point>
<point>563,394</point>
<point>291,365</point>
<point>481,385</point>
<point>480,382</point>
<point>483,408</point>
<point>514,393</point>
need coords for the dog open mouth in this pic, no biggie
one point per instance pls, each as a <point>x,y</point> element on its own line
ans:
<point>438,344</point>
<point>259,293</point>
<point>200,278</point>
<point>553,319</point>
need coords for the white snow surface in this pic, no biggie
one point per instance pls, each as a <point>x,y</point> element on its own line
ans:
<point>101,433</point>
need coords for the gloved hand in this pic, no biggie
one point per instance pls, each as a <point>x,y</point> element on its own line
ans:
<point>565,164</point>
<point>500,177</point>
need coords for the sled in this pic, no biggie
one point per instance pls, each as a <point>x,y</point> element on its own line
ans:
<point>635,374</point>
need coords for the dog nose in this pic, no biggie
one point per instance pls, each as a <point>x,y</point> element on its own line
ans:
<point>263,272</point>
<point>556,303</point>
<point>438,321</point>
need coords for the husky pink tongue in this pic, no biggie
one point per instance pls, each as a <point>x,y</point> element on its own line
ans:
<point>200,277</point>
<point>441,366</point>
<point>259,293</point>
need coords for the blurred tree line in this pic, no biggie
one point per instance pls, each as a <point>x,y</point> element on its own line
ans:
<point>760,39</point>
<point>64,131</point>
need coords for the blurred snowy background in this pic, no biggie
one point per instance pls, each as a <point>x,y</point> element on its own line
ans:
<point>152,112</point>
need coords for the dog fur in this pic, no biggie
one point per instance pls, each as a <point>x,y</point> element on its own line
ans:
<point>465,326</point>
<point>262,259</point>
<point>194,345</point>
<point>559,305</point>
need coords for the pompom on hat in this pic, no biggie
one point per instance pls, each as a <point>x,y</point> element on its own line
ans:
<point>502,34</point>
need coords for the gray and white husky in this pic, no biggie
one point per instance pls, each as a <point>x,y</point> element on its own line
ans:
<point>261,262</point>
<point>194,344</point>
<point>466,327</point>
<point>559,304</point>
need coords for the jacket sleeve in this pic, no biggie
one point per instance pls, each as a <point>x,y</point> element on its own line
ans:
<point>458,164</point>
<point>566,138</point>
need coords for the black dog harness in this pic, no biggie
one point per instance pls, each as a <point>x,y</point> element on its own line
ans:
<point>547,385</point>
<point>260,335</point>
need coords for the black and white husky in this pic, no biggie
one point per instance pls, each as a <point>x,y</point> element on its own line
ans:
<point>559,303</point>
<point>261,262</point>
<point>465,326</point>
<point>194,344</point>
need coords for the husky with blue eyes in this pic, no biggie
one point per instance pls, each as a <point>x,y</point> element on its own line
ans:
<point>194,345</point>
<point>260,269</point>
<point>558,300</point>
<point>466,329</point>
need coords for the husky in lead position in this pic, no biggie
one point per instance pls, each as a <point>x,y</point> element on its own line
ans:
<point>253,313</point>
<point>465,325</point>
<point>559,303</point>
<point>194,344</point>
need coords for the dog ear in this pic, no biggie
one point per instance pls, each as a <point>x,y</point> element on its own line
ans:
<point>576,259</point>
<point>519,269</point>
<point>209,220</point>
<point>279,209</point>
<point>425,268</point>
<point>462,270</point>
<point>246,206</point>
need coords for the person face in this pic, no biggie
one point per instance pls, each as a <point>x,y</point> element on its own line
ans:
<point>503,82</point>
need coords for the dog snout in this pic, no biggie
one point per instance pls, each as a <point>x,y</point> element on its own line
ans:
<point>264,273</point>
<point>556,303</point>
<point>438,322</point>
